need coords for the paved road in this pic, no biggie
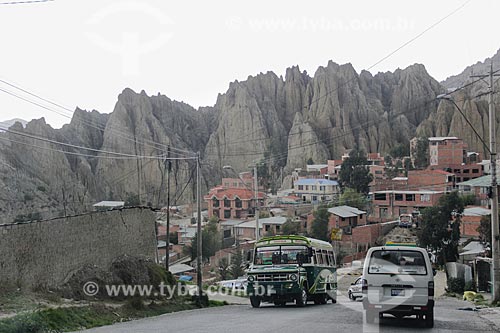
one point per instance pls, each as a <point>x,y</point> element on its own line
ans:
<point>346,316</point>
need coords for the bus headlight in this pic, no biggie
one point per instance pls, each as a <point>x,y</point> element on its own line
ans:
<point>250,278</point>
<point>293,277</point>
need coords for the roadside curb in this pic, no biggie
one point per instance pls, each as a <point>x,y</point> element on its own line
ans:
<point>491,315</point>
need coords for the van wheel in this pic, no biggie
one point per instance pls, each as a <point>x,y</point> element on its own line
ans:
<point>429,318</point>
<point>255,301</point>
<point>351,297</point>
<point>302,299</point>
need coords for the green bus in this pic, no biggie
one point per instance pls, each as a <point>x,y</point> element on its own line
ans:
<point>292,269</point>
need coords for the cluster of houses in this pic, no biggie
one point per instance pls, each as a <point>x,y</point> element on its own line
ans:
<point>451,167</point>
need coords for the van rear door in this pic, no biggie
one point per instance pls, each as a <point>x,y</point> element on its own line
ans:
<point>398,277</point>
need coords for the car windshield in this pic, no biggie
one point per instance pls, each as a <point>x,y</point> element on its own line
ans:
<point>397,262</point>
<point>276,255</point>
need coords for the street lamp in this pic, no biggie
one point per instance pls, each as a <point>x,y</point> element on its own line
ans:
<point>495,255</point>
<point>255,197</point>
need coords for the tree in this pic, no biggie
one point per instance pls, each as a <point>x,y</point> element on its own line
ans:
<point>440,230</point>
<point>237,263</point>
<point>291,228</point>
<point>484,230</point>
<point>319,228</point>
<point>352,198</point>
<point>400,150</point>
<point>420,152</point>
<point>354,172</point>
<point>132,200</point>
<point>211,241</point>
<point>223,268</point>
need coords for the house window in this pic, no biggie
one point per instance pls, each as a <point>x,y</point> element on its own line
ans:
<point>380,196</point>
<point>475,170</point>
<point>238,203</point>
<point>322,188</point>
<point>383,212</point>
<point>313,187</point>
<point>314,198</point>
<point>425,197</point>
<point>466,171</point>
<point>410,197</point>
<point>398,197</point>
<point>307,187</point>
<point>227,214</point>
<point>301,187</point>
<point>215,203</point>
<point>403,211</point>
<point>227,203</point>
<point>277,228</point>
<point>235,184</point>
<point>226,184</point>
<point>267,227</point>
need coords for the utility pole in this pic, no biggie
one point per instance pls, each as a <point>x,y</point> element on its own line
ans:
<point>256,195</point>
<point>495,249</point>
<point>169,169</point>
<point>199,237</point>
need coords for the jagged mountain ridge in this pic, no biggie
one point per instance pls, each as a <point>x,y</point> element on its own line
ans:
<point>290,120</point>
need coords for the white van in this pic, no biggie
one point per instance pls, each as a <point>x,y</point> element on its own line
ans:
<point>398,280</point>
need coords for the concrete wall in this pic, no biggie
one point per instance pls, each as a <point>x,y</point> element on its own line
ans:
<point>46,253</point>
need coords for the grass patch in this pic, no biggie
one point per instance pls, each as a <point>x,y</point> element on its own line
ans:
<point>59,320</point>
<point>65,319</point>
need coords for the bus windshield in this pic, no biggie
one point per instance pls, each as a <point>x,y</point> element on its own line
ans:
<point>284,254</point>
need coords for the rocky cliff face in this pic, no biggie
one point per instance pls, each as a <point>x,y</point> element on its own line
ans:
<point>284,121</point>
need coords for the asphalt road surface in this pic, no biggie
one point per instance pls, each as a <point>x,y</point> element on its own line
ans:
<point>345,316</point>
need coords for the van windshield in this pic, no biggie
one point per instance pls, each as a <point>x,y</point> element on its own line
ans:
<point>397,262</point>
<point>276,255</point>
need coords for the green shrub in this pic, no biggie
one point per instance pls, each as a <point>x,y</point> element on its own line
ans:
<point>470,286</point>
<point>456,285</point>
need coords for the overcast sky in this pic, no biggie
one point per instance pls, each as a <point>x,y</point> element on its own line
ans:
<point>85,52</point>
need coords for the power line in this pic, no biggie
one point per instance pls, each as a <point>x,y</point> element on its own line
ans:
<point>74,146</point>
<point>83,121</point>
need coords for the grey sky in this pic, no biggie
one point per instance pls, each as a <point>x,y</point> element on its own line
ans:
<point>85,52</point>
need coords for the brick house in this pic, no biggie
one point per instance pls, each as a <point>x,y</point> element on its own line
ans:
<point>437,180</point>
<point>388,205</point>
<point>346,218</point>
<point>334,168</point>
<point>316,190</point>
<point>479,187</point>
<point>269,225</point>
<point>465,172</point>
<point>444,151</point>
<point>231,203</point>
<point>471,220</point>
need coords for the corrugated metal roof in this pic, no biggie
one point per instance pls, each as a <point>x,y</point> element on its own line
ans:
<point>476,211</point>
<point>269,220</point>
<point>345,211</point>
<point>109,204</point>
<point>483,181</point>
